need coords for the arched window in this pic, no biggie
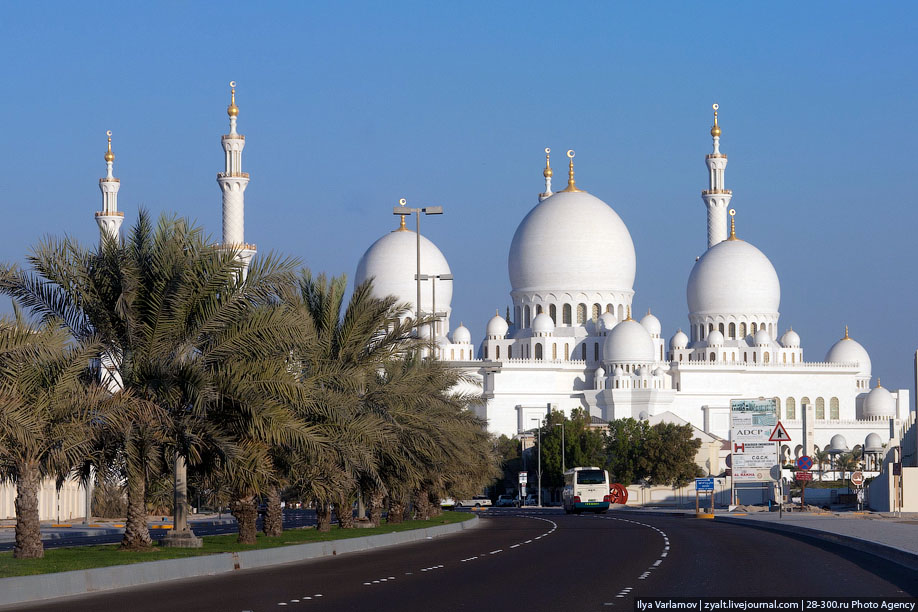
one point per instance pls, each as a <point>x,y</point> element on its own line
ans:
<point>680,357</point>
<point>820,409</point>
<point>833,409</point>
<point>597,310</point>
<point>783,357</point>
<point>496,352</point>
<point>742,330</point>
<point>486,352</point>
<point>566,314</point>
<point>793,358</point>
<point>526,315</point>
<point>720,328</point>
<point>753,328</point>
<point>516,317</point>
<point>621,313</point>
<point>725,357</point>
<point>755,357</point>
<point>767,357</point>
<point>538,309</point>
<point>510,352</point>
<point>713,357</point>
<point>732,356</point>
<point>595,351</point>
<point>710,327</point>
<point>538,352</point>
<point>553,313</point>
<point>791,409</point>
<point>732,329</point>
<point>583,351</point>
<point>554,351</point>
<point>567,351</point>
<point>778,407</point>
<point>609,308</point>
<point>581,313</point>
<point>452,354</point>
<point>804,402</point>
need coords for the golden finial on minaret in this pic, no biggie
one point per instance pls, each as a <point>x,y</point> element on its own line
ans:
<point>571,186</point>
<point>878,382</point>
<point>109,156</point>
<point>401,218</point>
<point>846,334</point>
<point>629,314</point>
<point>715,131</point>
<point>547,172</point>
<point>732,225</point>
<point>232,110</point>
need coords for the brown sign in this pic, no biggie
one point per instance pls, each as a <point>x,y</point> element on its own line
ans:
<point>803,476</point>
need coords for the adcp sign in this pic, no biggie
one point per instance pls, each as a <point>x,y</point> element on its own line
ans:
<point>751,424</point>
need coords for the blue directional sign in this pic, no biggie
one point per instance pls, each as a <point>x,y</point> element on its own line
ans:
<point>704,484</point>
<point>804,463</point>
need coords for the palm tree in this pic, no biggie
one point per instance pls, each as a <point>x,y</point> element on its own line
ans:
<point>47,416</point>
<point>822,457</point>
<point>170,310</point>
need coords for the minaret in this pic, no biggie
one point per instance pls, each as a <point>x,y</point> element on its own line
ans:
<point>547,174</point>
<point>716,197</point>
<point>109,219</point>
<point>233,182</point>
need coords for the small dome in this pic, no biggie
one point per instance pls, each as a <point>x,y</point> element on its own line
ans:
<point>607,321</point>
<point>838,444</point>
<point>790,339</point>
<point>733,278</point>
<point>658,372</point>
<point>715,338</point>
<point>762,338</point>
<point>600,372</point>
<point>652,325</point>
<point>497,326</point>
<point>618,371</point>
<point>679,340</point>
<point>628,342</point>
<point>461,335</point>
<point>543,324</point>
<point>643,416</point>
<point>639,372</point>
<point>848,350</point>
<point>879,403</point>
<point>873,443</point>
<point>443,342</point>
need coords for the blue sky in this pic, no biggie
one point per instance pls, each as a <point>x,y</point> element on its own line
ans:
<point>347,107</point>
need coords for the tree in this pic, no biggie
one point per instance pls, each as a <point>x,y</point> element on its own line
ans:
<point>583,445</point>
<point>821,457</point>
<point>668,454</point>
<point>624,449</point>
<point>47,416</point>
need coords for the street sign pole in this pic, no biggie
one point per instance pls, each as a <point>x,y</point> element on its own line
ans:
<point>780,486</point>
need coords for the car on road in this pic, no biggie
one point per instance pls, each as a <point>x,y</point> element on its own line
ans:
<point>506,501</point>
<point>479,501</point>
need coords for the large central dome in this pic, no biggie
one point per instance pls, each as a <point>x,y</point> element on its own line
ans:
<point>572,241</point>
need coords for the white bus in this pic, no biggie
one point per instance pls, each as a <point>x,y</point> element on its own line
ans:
<point>586,488</point>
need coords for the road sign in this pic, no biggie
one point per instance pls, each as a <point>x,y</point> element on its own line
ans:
<point>779,434</point>
<point>805,462</point>
<point>753,455</point>
<point>524,477</point>
<point>857,478</point>
<point>803,475</point>
<point>704,484</point>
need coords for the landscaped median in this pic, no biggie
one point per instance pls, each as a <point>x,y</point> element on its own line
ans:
<point>84,569</point>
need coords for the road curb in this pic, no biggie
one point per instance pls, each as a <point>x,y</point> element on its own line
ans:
<point>890,553</point>
<point>21,589</point>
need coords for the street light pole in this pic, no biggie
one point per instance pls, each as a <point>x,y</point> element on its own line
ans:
<point>403,210</point>
<point>539,473</point>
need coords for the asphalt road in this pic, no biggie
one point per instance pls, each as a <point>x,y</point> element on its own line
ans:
<point>536,560</point>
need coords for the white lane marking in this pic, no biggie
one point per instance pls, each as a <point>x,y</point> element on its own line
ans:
<point>494,552</point>
<point>657,562</point>
<point>391,577</point>
<point>318,595</point>
<point>294,601</point>
<point>307,597</point>
<point>515,546</point>
<point>367,583</point>
<point>408,573</point>
<point>528,542</point>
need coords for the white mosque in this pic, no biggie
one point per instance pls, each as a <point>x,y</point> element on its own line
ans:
<point>572,342</point>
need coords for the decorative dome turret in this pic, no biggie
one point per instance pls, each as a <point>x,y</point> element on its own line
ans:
<point>879,403</point>
<point>762,338</point>
<point>606,322</point>
<point>462,335</point>
<point>715,338</point>
<point>628,343</point>
<point>848,350</point>
<point>543,325</point>
<point>838,444</point>
<point>873,443</point>
<point>497,326</point>
<point>678,341</point>
<point>790,339</point>
<point>652,325</point>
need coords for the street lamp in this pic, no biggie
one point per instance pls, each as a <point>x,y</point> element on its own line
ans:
<point>403,211</point>
<point>433,282</point>
<point>563,465</point>
<point>539,473</point>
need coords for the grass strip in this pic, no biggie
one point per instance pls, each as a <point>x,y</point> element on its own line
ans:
<point>88,557</point>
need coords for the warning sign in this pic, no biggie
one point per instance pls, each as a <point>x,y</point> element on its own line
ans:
<point>779,434</point>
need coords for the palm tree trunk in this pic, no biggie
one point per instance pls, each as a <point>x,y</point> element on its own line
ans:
<point>435,509</point>
<point>323,516</point>
<point>422,504</point>
<point>136,531</point>
<point>28,525</point>
<point>396,509</point>
<point>274,517</point>
<point>376,498</point>
<point>246,514</point>
<point>345,511</point>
